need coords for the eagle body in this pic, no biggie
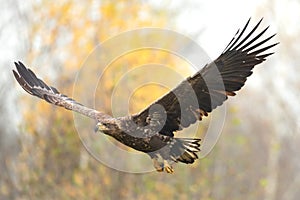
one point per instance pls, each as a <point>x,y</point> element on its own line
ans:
<point>150,141</point>
<point>152,130</point>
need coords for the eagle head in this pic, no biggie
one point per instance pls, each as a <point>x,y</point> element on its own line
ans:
<point>106,127</point>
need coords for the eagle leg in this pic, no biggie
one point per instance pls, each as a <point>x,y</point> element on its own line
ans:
<point>159,166</point>
<point>162,166</point>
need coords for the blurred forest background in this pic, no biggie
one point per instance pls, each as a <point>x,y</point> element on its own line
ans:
<point>41,155</point>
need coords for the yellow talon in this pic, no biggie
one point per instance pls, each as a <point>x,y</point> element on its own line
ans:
<point>162,166</point>
<point>168,168</point>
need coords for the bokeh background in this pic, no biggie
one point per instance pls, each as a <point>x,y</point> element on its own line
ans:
<point>42,157</point>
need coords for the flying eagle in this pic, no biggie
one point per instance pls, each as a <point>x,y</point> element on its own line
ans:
<point>152,130</point>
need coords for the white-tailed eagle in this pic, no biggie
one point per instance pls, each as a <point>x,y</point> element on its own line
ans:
<point>152,130</point>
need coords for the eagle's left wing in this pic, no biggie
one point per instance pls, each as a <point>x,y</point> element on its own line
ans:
<point>36,87</point>
<point>199,94</point>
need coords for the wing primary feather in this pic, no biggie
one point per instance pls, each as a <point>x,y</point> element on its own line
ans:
<point>263,49</point>
<point>264,55</point>
<point>248,35</point>
<point>253,40</point>
<point>22,82</point>
<point>260,43</point>
<point>237,39</point>
<point>232,39</point>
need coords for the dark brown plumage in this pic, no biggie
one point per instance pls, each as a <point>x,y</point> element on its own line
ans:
<point>152,130</point>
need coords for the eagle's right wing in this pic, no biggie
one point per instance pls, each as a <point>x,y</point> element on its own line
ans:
<point>36,87</point>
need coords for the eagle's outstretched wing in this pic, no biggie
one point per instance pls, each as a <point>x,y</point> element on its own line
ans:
<point>211,85</point>
<point>35,86</point>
